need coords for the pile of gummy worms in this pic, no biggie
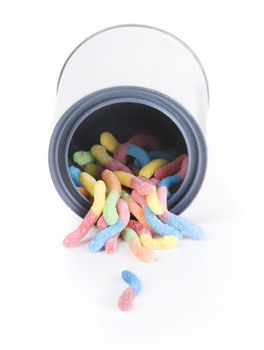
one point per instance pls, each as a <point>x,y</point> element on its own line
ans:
<point>128,186</point>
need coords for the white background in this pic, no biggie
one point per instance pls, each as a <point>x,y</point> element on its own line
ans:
<point>202,295</point>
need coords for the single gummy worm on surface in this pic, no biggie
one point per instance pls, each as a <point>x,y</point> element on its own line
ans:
<point>125,302</point>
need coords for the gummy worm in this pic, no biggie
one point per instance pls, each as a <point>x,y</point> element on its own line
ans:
<point>148,241</point>
<point>158,226</point>
<point>102,236</point>
<point>170,168</point>
<point>125,302</point>
<point>142,253</point>
<point>180,223</point>
<point>90,218</point>
<point>99,152</point>
<point>110,213</point>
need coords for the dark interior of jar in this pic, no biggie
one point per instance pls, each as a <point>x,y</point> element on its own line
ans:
<point>124,120</point>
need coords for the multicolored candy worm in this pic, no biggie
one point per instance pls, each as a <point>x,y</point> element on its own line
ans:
<point>143,187</point>
<point>90,218</point>
<point>183,225</point>
<point>125,302</point>
<point>145,235</point>
<point>142,253</point>
<point>139,140</point>
<point>102,236</point>
<point>174,180</point>
<point>100,154</point>
<point>114,187</point>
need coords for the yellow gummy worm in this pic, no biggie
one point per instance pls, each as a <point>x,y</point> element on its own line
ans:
<point>92,169</point>
<point>124,178</point>
<point>100,154</point>
<point>153,202</point>
<point>99,198</point>
<point>165,242</point>
<point>109,141</point>
<point>88,181</point>
<point>149,169</point>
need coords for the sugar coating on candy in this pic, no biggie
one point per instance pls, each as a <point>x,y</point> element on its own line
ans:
<point>128,234</point>
<point>88,181</point>
<point>100,154</point>
<point>170,168</point>
<point>170,181</point>
<point>132,280</point>
<point>109,141</point>
<point>111,180</point>
<point>121,153</point>
<point>93,169</point>
<point>110,212</point>
<point>138,198</point>
<point>139,154</point>
<point>136,210</point>
<point>146,239</point>
<point>111,244</point>
<point>115,165</point>
<point>75,174</point>
<point>149,169</point>
<point>145,140</point>
<point>101,223</point>
<point>82,157</point>
<point>153,202</point>
<point>158,226</point>
<point>180,223</point>
<point>154,181</point>
<point>90,218</point>
<point>143,254</point>
<point>165,242</point>
<point>143,186</point>
<point>125,302</point>
<point>100,239</point>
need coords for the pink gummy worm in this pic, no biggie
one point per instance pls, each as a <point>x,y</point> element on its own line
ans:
<point>115,165</point>
<point>154,181</point>
<point>170,168</point>
<point>147,140</point>
<point>121,153</point>
<point>111,244</point>
<point>138,227</point>
<point>142,185</point>
<point>101,223</point>
<point>125,302</point>
<point>184,167</point>
<point>74,237</point>
<point>138,198</point>
<point>123,211</point>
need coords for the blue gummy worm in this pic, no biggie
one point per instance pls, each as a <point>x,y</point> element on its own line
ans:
<point>139,154</point>
<point>157,155</point>
<point>186,226</point>
<point>170,181</point>
<point>158,226</point>
<point>132,280</point>
<point>162,155</point>
<point>75,174</point>
<point>100,239</point>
